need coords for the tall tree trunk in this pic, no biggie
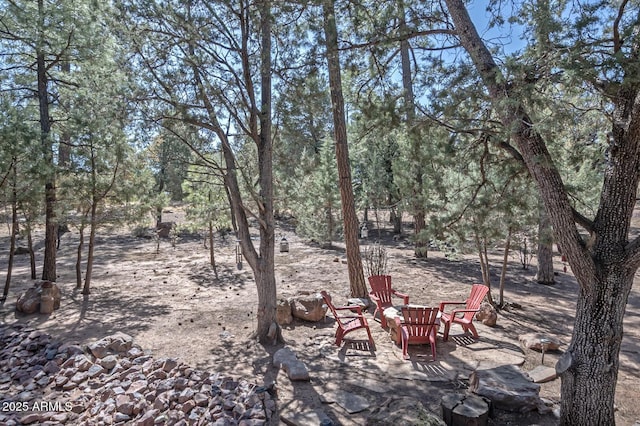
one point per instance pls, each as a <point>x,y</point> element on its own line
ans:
<point>590,365</point>
<point>234,223</point>
<point>350,219</point>
<point>507,247</point>
<point>395,216</point>
<point>212,254</point>
<point>95,199</point>
<point>64,147</point>
<point>421,249</point>
<point>79,258</point>
<point>51,226</point>
<point>266,277</point>
<point>259,126</point>
<point>86,290</point>
<point>481,245</point>
<point>545,248</point>
<point>14,230</point>
<point>331,226</point>
<point>32,254</point>
<point>604,267</point>
<point>421,246</point>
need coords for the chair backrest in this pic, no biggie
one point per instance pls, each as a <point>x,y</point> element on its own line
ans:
<point>327,299</point>
<point>478,292</point>
<point>381,288</point>
<point>420,320</point>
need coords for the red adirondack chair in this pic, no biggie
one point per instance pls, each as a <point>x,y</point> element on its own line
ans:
<point>419,324</point>
<point>348,318</point>
<point>382,293</point>
<point>464,316</point>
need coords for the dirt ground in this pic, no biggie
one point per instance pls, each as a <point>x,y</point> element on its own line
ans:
<point>172,305</point>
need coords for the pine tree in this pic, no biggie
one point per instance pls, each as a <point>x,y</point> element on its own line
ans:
<point>216,91</point>
<point>604,64</point>
<point>318,210</point>
<point>350,220</point>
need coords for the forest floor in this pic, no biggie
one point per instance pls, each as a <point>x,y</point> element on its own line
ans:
<point>172,305</point>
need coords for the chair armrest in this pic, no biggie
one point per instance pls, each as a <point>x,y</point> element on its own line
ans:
<point>355,308</point>
<point>351,316</point>
<point>462,311</point>
<point>443,304</point>
<point>401,295</point>
<point>373,297</point>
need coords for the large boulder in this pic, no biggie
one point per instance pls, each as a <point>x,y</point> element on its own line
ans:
<point>487,315</point>
<point>286,359</point>
<point>29,301</point>
<point>283,312</point>
<point>507,388</point>
<point>536,341</point>
<point>308,307</point>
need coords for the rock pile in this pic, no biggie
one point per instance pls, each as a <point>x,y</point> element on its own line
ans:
<point>113,381</point>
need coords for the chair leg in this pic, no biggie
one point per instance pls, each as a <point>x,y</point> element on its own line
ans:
<point>445,336</point>
<point>405,348</point>
<point>404,337</point>
<point>473,330</point>
<point>433,346</point>
<point>383,320</point>
<point>339,336</point>
<point>371,342</point>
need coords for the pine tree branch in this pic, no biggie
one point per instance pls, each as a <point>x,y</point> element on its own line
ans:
<point>403,37</point>
<point>617,42</point>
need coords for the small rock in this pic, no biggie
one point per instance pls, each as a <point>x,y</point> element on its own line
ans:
<point>124,405</point>
<point>99,349</point>
<point>51,367</point>
<point>95,370</point>
<point>79,377</point>
<point>185,395</point>
<point>82,363</point>
<point>201,399</point>
<point>137,386</point>
<point>134,352</point>
<point>148,419</point>
<point>120,417</point>
<point>181,383</point>
<point>169,364</point>
<point>188,406</point>
<point>108,362</point>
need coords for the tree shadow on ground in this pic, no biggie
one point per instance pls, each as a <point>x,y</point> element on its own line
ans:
<point>227,277</point>
<point>82,318</point>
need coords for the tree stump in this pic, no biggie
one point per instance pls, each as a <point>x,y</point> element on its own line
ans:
<point>465,410</point>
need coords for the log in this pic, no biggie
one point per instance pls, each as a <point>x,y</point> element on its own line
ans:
<point>465,410</point>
